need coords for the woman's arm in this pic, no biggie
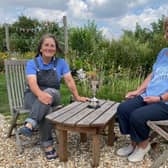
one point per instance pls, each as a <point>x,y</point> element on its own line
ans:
<point>72,87</point>
<point>141,88</point>
<point>164,97</point>
<point>145,83</point>
<point>154,99</point>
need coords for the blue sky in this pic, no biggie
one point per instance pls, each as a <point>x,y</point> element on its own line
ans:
<point>111,16</point>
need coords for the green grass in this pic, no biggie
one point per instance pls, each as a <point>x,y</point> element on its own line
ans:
<point>65,94</point>
<point>117,88</point>
<point>4,106</point>
<point>114,89</point>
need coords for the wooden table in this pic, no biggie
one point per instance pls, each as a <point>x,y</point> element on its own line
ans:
<point>78,117</point>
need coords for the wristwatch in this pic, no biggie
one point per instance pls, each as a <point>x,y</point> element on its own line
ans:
<point>161,99</point>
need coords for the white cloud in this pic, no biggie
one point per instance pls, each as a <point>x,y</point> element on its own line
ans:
<point>98,2</point>
<point>138,3</point>
<point>107,8</point>
<point>108,34</point>
<point>78,9</point>
<point>50,4</point>
<point>45,14</point>
<point>144,19</point>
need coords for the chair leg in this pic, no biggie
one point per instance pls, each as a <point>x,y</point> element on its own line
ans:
<point>162,158</point>
<point>13,124</point>
<point>18,141</point>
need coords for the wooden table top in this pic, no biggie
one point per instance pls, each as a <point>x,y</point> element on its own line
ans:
<point>78,114</point>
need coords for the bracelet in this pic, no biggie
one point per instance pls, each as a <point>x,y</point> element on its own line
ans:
<point>161,98</point>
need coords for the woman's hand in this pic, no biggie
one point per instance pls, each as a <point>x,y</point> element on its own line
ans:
<point>151,99</point>
<point>45,97</point>
<point>132,94</point>
<point>82,99</point>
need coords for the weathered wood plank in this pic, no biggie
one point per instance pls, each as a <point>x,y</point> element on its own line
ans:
<point>160,160</point>
<point>161,122</point>
<point>79,116</point>
<point>59,112</point>
<point>15,78</point>
<point>96,150</point>
<point>111,134</point>
<point>107,115</point>
<point>158,129</point>
<point>63,155</point>
<point>90,130</point>
<point>83,137</point>
<point>68,114</point>
<point>93,116</point>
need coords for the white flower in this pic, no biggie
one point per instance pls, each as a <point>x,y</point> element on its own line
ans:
<point>81,74</point>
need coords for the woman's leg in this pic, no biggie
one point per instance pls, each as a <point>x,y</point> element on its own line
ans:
<point>125,110</point>
<point>138,119</point>
<point>38,109</point>
<point>37,115</point>
<point>44,124</point>
<point>140,130</point>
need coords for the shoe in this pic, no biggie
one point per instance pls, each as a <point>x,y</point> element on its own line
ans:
<point>50,155</point>
<point>125,151</point>
<point>26,131</point>
<point>138,154</point>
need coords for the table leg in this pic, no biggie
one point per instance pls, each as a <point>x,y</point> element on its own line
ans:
<point>83,137</point>
<point>96,150</point>
<point>111,134</point>
<point>62,145</point>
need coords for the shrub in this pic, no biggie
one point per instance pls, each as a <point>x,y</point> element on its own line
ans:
<point>3,56</point>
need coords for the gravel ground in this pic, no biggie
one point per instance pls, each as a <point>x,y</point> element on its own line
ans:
<point>80,154</point>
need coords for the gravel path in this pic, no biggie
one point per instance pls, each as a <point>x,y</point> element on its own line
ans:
<point>80,154</point>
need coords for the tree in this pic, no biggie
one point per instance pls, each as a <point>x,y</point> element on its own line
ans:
<point>85,39</point>
<point>26,32</point>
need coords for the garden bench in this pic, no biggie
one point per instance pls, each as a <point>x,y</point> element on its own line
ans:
<point>78,117</point>
<point>161,128</point>
<point>16,84</point>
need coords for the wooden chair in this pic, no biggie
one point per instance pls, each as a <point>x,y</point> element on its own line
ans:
<point>16,84</point>
<point>161,128</point>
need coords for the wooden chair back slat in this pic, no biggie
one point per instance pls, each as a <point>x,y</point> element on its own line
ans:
<point>15,77</point>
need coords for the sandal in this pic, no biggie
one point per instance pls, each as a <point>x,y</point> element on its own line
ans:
<point>26,131</point>
<point>50,155</point>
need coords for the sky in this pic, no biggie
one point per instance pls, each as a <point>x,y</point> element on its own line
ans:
<point>110,16</point>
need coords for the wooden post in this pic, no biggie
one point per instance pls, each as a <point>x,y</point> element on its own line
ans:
<point>65,35</point>
<point>7,37</point>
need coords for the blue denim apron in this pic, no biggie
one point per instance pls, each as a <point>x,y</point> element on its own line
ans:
<point>47,78</point>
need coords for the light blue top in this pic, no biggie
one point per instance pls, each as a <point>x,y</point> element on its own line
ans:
<point>159,81</point>
<point>62,67</point>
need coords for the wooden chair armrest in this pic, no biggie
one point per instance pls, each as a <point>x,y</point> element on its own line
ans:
<point>162,122</point>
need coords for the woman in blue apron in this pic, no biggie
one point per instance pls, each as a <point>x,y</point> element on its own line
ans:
<point>44,73</point>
